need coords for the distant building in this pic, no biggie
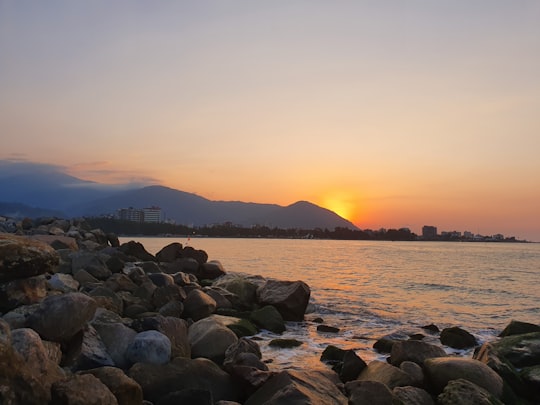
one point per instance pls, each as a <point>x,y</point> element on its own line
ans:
<point>152,214</point>
<point>429,232</point>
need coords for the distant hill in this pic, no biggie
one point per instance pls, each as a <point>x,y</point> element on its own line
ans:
<point>48,188</point>
<point>15,210</point>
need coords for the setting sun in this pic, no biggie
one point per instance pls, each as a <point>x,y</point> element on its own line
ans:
<point>343,204</point>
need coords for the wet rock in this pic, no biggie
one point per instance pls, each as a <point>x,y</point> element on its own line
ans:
<point>290,298</point>
<point>126,390</point>
<point>520,350</point>
<point>149,347</point>
<point>415,351</point>
<point>22,257</point>
<point>332,354</point>
<point>72,391</point>
<point>181,373</point>
<point>465,392</point>
<point>444,369</point>
<point>519,328</point>
<point>60,317</point>
<point>269,318</point>
<point>300,387</point>
<point>351,367</point>
<point>285,343</point>
<point>198,305</point>
<point>327,329</point>
<point>457,338</point>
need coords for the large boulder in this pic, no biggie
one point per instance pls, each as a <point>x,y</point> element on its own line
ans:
<point>151,347</point>
<point>91,262</point>
<point>211,270</point>
<point>198,305</point>
<point>116,337</point>
<point>170,253</point>
<point>289,297</point>
<point>126,390</point>
<point>519,328</point>
<point>464,392</point>
<point>91,353</point>
<point>440,371</point>
<point>210,338</point>
<point>23,291</point>
<point>82,390</point>
<point>369,392</point>
<point>299,387</point>
<point>243,289</point>
<point>174,328</point>
<point>60,317</point>
<point>385,373</point>
<point>22,257</point>
<point>136,250</point>
<point>269,318</point>
<point>413,396</point>
<point>180,374</point>
<point>520,350</point>
<point>415,351</point>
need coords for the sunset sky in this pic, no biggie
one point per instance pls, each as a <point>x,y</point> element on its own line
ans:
<point>391,113</point>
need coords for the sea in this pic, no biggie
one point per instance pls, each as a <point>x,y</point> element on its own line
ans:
<point>371,289</point>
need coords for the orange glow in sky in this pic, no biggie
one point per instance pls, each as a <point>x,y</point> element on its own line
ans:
<point>392,114</point>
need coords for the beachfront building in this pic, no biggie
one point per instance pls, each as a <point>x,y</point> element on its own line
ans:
<point>152,214</point>
<point>429,232</point>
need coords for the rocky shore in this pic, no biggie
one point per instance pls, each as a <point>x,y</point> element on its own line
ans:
<point>87,320</point>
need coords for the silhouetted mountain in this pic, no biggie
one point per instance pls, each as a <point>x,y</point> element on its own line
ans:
<point>15,210</point>
<point>47,187</point>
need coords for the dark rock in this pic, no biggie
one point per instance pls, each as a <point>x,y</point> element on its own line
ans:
<point>63,283</point>
<point>413,396</point>
<point>172,308</point>
<point>149,347</point>
<point>174,328</point>
<point>368,392</point>
<point>116,337</point>
<point>166,294</point>
<point>285,343</point>
<point>457,338</point>
<point>289,297</point>
<point>210,338</point>
<point>187,396</point>
<point>351,367</point>
<point>531,377</point>
<point>415,351</point>
<point>199,255</point>
<point>115,264</point>
<point>136,250</point>
<point>161,279</point>
<point>159,380</point>
<point>219,295</point>
<point>150,267</point>
<point>519,328</point>
<point>25,291</point>
<point>414,371</point>
<point>113,240</point>
<point>384,344</point>
<point>125,389</point>
<point>431,328</point>
<point>107,298</point>
<point>441,370</point>
<point>70,391</point>
<point>327,329</point>
<point>298,387</point>
<point>244,290</point>
<point>465,392</point>
<point>211,270</point>
<point>243,327</point>
<point>519,350</point>
<point>22,257</point>
<point>60,317</point>
<point>333,354</point>
<point>170,253</point>
<point>92,353</point>
<point>92,263</point>
<point>269,318</point>
<point>120,282</point>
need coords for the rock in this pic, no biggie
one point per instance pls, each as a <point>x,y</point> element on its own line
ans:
<point>22,257</point>
<point>244,289</point>
<point>211,270</point>
<point>175,329</point>
<point>170,252</point>
<point>149,347</point>
<point>63,283</point>
<point>91,354</point>
<point>415,351</point>
<point>268,318</point>
<point>531,377</point>
<point>520,350</point>
<point>413,396</point>
<point>368,392</point>
<point>126,390</point>
<point>161,279</point>
<point>431,328</point>
<point>17,318</point>
<point>90,262</point>
<point>385,373</point>
<point>327,329</point>
<point>444,369</point>
<point>169,293</point>
<point>172,308</point>
<point>84,278</point>
<point>116,337</point>
<point>187,396</point>
<point>243,327</point>
<point>219,295</point>
<point>351,367</point>
<point>289,297</point>
<point>24,291</point>
<point>333,354</point>
<point>72,391</point>
<point>298,387</point>
<point>198,305</point>
<point>384,344</point>
<point>157,381</point>
<point>120,282</point>
<point>465,392</point>
<point>30,346</point>
<point>199,255</point>
<point>60,317</point>
<point>136,250</point>
<point>209,338</point>
<point>519,328</point>
<point>457,338</point>
<point>107,298</point>
<point>285,343</point>
<point>414,371</point>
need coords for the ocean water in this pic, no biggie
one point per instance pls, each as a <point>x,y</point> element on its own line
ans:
<point>370,289</point>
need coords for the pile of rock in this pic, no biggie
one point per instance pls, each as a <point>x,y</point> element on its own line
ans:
<point>87,320</point>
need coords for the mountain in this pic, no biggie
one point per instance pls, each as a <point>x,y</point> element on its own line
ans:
<point>49,190</point>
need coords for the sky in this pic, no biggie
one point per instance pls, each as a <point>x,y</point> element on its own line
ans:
<point>391,113</point>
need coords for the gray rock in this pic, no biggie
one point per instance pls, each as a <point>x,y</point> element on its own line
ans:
<point>457,338</point>
<point>150,347</point>
<point>269,318</point>
<point>415,351</point>
<point>519,328</point>
<point>290,298</point>
<point>63,282</point>
<point>465,392</point>
<point>116,337</point>
<point>170,253</point>
<point>385,373</point>
<point>520,350</point>
<point>126,390</point>
<point>60,317</point>
<point>82,390</point>
<point>413,396</point>
<point>198,305</point>
<point>174,328</point>
<point>24,291</point>
<point>92,353</point>
<point>211,270</point>
<point>209,338</point>
<point>368,392</point>
<point>414,371</point>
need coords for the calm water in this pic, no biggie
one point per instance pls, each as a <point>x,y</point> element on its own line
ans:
<point>370,289</point>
